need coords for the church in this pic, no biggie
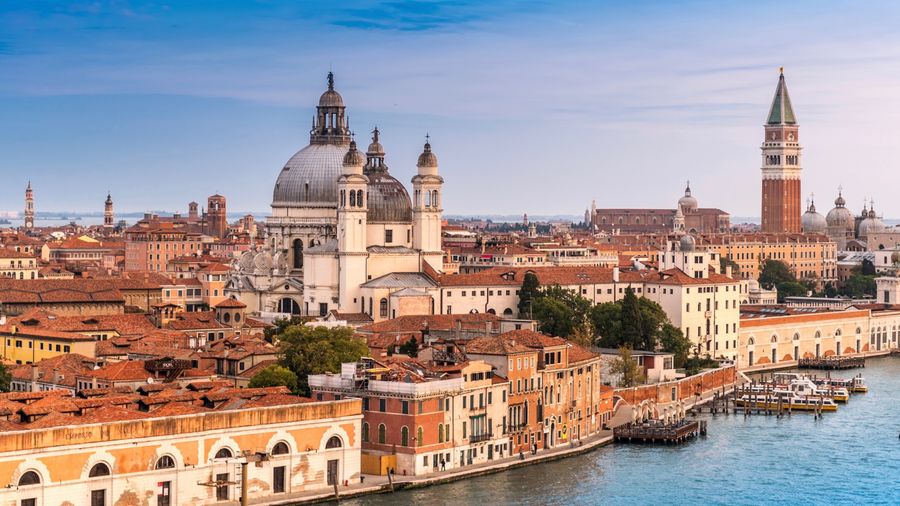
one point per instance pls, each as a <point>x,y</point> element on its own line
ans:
<point>344,234</point>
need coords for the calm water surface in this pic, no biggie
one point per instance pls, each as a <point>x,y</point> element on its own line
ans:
<point>849,457</point>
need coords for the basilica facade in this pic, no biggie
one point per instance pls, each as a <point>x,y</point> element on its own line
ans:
<point>344,234</point>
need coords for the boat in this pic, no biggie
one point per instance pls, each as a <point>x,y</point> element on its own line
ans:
<point>797,384</point>
<point>856,384</point>
<point>787,402</point>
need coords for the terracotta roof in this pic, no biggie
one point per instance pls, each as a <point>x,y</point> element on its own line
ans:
<point>414,323</point>
<point>11,253</point>
<point>123,324</point>
<point>495,345</point>
<point>533,339</point>
<point>230,303</point>
<point>196,320</point>
<point>578,353</point>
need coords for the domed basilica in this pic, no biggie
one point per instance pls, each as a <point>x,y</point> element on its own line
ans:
<point>344,234</point>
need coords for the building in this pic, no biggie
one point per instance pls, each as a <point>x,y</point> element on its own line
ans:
<point>420,418</point>
<point>781,166</point>
<point>342,227</point>
<point>171,447</point>
<point>216,217</point>
<point>109,217</point>
<point>29,207</point>
<point>808,255</point>
<point>687,216</point>
<point>17,264</point>
<point>153,241</point>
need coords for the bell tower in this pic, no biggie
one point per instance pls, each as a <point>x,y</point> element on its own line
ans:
<point>29,207</point>
<point>427,208</point>
<point>108,215</point>
<point>351,230</point>
<point>781,203</point>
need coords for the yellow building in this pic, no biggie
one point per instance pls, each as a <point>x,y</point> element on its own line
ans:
<point>204,447</point>
<point>24,345</point>
<point>17,264</point>
<point>809,256</point>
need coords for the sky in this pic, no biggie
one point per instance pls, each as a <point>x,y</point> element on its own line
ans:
<point>532,106</point>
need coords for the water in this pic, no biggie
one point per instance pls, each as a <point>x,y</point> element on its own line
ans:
<point>849,457</point>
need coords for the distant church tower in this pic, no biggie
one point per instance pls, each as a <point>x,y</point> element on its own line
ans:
<point>216,219</point>
<point>352,223</point>
<point>427,208</point>
<point>108,215</point>
<point>29,207</point>
<point>781,206</point>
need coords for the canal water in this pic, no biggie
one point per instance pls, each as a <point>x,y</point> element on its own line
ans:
<point>848,457</point>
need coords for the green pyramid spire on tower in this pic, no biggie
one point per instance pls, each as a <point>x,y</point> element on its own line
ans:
<point>781,113</point>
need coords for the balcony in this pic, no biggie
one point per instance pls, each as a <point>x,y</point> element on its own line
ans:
<point>478,438</point>
<point>511,428</point>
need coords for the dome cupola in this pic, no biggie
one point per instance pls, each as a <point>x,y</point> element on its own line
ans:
<point>812,222</point>
<point>688,202</point>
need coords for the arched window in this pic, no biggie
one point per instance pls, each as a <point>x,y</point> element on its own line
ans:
<point>750,341</point>
<point>343,198</point>
<point>352,198</point>
<point>298,253</point>
<point>492,311</point>
<point>359,198</point>
<point>420,435</point>
<point>796,336</point>
<point>404,436</point>
<point>165,462</point>
<point>427,199</point>
<point>383,308</point>
<point>858,331</point>
<point>434,199</point>
<point>30,478</point>
<point>440,433</point>
<point>365,432</point>
<point>224,453</point>
<point>818,334</point>
<point>774,339</point>
<point>281,448</point>
<point>837,332</point>
<point>381,433</point>
<point>98,470</point>
<point>507,312</point>
<point>333,442</point>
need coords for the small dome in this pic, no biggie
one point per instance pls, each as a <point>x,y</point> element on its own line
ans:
<point>262,262</point>
<point>812,222</point>
<point>688,202</point>
<point>388,199</point>
<point>839,201</point>
<point>687,243</point>
<point>427,158</point>
<point>375,147</point>
<point>870,224</point>
<point>354,158</point>
<point>840,218</point>
<point>331,98</point>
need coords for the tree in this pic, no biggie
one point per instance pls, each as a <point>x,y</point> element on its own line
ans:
<point>560,312</point>
<point>530,289</point>
<point>410,348</point>
<point>775,272</point>
<point>671,339</point>
<point>632,328</point>
<point>316,350</point>
<point>5,378</point>
<point>790,289</point>
<point>858,286</point>
<point>280,325</point>
<point>867,268</point>
<point>830,290</point>
<point>606,319</point>
<point>630,373</point>
<point>273,376</point>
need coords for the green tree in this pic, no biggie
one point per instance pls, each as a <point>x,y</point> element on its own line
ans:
<point>859,285</point>
<point>867,268</point>
<point>627,367</point>
<point>830,290</point>
<point>279,326</point>
<point>632,328</point>
<point>775,272</point>
<point>410,348</point>
<point>5,378</point>
<point>672,340</point>
<point>790,289</point>
<point>530,289</point>
<point>606,319</point>
<point>560,312</point>
<point>316,350</point>
<point>273,376</point>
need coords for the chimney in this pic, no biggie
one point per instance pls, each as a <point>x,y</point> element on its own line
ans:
<point>728,270</point>
<point>615,274</point>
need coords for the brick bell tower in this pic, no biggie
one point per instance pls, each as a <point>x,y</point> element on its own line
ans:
<point>781,206</point>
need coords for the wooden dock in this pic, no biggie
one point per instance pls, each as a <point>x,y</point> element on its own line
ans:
<point>657,432</point>
<point>831,363</point>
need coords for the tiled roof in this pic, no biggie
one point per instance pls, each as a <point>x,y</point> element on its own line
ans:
<point>533,339</point>
<point>495,345</point>
<point>230,303</point>
<point>415,323</point>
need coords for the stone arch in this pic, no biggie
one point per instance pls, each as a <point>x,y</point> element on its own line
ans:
<point>31,464</point>
<point>101,457</point>
<point>774,339</point>
<point>751,341</point>
<point>288,305</point>
<point>223,442</point>
<point>282,436</point>
<point>507,312</point>
<point>346,441</point>
<point>170,450</point>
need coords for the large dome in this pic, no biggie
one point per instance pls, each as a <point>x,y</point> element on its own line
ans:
<point>840,217</point>
<point>309,178</point>
<point>871,224</point>
<point>688,202</point>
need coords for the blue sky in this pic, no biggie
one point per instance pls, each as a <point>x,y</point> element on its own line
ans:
<point>534,107</point>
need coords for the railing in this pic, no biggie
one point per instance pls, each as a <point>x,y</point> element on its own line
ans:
<point>514,427</point>
<point>477,438</point>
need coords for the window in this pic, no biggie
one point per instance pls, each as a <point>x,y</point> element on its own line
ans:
<point>281,448</point>
<point>98,470</point>
<point>383,308</point>
<point>381,405</point>
<point>222,486</point>
<point>404,407</point>
<point>404,436</point>
<point>388,236</point>
<point>420,435</point>
<point>333,442</point>
<point>365,432</point>
<point>224,453</point>
<point>381,433</point>
<point>165,462</point>
<point>29,478</point>
<point>164,497</point>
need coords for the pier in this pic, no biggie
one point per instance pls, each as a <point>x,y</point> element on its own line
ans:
<point>658,432</point>
<point>831,363</point>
